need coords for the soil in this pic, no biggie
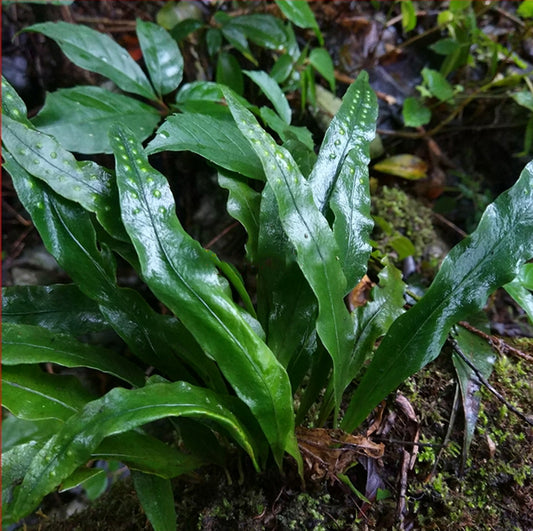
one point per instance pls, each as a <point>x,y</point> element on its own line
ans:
<point>422,480</point>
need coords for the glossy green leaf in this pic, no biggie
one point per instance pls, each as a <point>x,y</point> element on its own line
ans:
<point>437,84</point>
<point>408,15</point>
<point>85,183</point>
<point>300,14</point>
<point>80,117</point>
<point>214,137</point>
<point>32,394</point>
<point>161,55</point>
<point>68,234</point>
<point>525,276</point>
<point>308,230</point>
<point>374,318</point>
<point>12,104</point>
<point>143,452</point>
<point>15,463</point>
<point>481,354</point>
<point>273,92</point>
<point>286,305</point>
<point>520,291</point>
<point>266,31</point>
<point>184,278</point>
<point>184,28</point>
<point>350,203</point>
<point>23,344</point>
<point>82,477</point>
<point>353,125</point>
<point>229,72</point>
<point>243,205</point>
<point>303,156</point>
<point>445,46</point>
<point>525,9</point>
<point>415,113</point>
<point>340,176</point>
<point>282,68</point>
<point>402,245</point>
<point>98,53</point>
<point>295,321</point>
<point>172,13</point>
<point>118,411</point>
<point>59,307</point>
<point>16,431</point>
<point>235,36</point>
<point>203,97</point>
<point>234,277</point>
<point>157,500</point>
<point>524,98</point>
<point>323,64</point>
<point>213,40</point>
<point>487,259</point>
<point>288,132</point>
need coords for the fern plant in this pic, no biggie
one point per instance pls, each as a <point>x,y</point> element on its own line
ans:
<point>225,364</point>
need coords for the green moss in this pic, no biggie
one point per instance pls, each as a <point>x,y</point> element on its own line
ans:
<point>496,489</point>
<point>398,215</point>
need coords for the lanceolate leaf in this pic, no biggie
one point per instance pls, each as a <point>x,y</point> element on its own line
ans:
<point>520,289</point>
<point>300,14</point>
<point>340,176</point>
<point>354,125</point>
<point>161,55</point>
<point>23,344</point>
<point>376,316</point>
<point>322,62</point>
<point>12,104</point>
<point>482,262</point>
<point>481,354</point>
<point>59,307</point>
<point>214,137</point>
<point>273,92</point>
<point>309,233</point>
<point>98,53</point>
<point>32,394</point>
<point>243,205</point>
<point>146,453</point>
<point>118,411</point>
<point>43,157</point>
<point>80,117</point>
<point>15,463</point>
<point>157,500</point>
<point>183,277</point>
<point>266,31</point>
<point>353,223</point>
<point>17,431</point>
<point>68,234</point>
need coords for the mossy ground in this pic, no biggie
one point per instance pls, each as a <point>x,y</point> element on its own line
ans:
<point>495,491</point>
